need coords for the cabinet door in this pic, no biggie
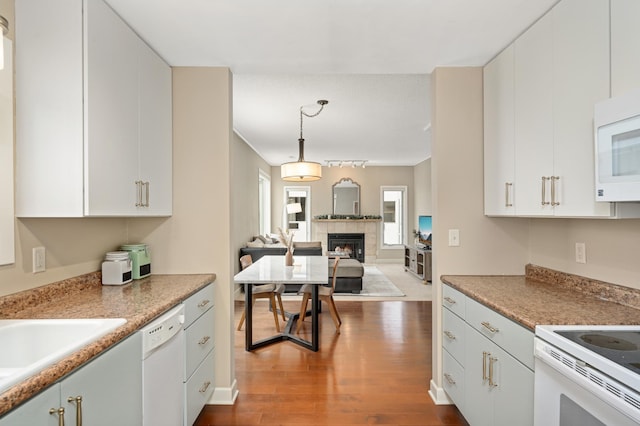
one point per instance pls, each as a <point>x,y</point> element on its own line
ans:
<point>35,412</point>
<point>111,113</point>
<point>110,387</point>
<point>155,149</point>
<point>513,396</point>
<point>581,79</point>
<point>478,399</point>
<point>499,160</point>
<point>625,46</point>
<point>533,117</point>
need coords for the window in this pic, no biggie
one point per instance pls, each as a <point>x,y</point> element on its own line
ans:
<point>299,220</point>
<point>394,215</point>
<point>264,202</point>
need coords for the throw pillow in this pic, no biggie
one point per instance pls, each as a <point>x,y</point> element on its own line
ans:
<point>255,244</point>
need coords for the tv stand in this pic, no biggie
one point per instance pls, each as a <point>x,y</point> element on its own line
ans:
<point>418,262</point>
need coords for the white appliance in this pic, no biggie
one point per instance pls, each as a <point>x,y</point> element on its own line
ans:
<point>587,376</point>
<point>162,370</point>
<point>617,148</point>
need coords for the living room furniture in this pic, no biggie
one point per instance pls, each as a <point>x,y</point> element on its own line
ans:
<point>311,270</point>
<point>324,294</point>
<point>272,292</point>
<point>418,262</point>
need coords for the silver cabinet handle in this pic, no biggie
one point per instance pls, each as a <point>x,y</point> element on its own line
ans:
<point>489,327</point>
<point>554,180</point>
<point>204,340</point>
<point>450,335</point>
<point>205,386</point>
<point>204,303</point>
<point>491,380</point>
<point>544,190</point>
<point>449,300</point>
<point>146,198</point>
<point>138,193</point>
<point>507,188</point>
<point>449,379</point>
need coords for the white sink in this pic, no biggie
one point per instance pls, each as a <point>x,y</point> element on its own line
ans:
<point>28,346</point>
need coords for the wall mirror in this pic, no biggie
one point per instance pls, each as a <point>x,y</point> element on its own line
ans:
<point>346,197</point>
<point>7,222</point>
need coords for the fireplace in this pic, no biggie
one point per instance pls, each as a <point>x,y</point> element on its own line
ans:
<point>350,243</point>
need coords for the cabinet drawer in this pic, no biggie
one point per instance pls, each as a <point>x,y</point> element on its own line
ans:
<point>453,379</point>
<point>198,304</point>
<point>453,335</point>
<point>454,300</point>
<point>513,338</point>
<point>199,388</point>
<point>199,340</point>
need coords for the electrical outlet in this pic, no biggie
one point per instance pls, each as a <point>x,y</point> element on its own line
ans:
<point>38,259</point>
<point>581,253</point>
<point>454,237</point>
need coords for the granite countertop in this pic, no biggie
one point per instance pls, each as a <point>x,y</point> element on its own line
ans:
<point>544,296</point>
<point>138,302</point>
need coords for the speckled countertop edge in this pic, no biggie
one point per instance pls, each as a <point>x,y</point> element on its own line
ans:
<point>138,302</point>
<point>545,296</point>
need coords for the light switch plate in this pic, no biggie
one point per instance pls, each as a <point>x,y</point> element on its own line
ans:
<point>581,253</point>
<point>454,237</point>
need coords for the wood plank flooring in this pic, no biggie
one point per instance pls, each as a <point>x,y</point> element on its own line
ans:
<point>376,371</point>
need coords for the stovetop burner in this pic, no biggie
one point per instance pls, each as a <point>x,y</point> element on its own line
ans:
<point>621,347</point>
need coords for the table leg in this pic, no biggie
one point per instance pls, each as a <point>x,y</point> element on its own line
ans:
<point>314,318</point>
<point>248,319</point>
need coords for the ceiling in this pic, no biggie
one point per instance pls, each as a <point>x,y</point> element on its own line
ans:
<point>371,59</point>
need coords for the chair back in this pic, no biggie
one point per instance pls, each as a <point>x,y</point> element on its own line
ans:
<point>245,261</point>
<point>335,270</point>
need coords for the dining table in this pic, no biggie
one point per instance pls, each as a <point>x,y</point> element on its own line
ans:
<point>313,270</point>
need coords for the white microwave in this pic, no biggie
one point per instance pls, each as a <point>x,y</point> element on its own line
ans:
<point>617,148</point>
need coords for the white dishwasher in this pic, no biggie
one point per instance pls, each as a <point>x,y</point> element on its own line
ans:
<point>163,369</point>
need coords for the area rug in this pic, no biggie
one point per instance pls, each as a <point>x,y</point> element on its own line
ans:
<point>375,284</point>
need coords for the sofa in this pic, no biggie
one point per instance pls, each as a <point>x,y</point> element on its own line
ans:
<point>349,274</point>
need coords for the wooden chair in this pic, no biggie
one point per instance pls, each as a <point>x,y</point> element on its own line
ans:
<point>264,291</point>
<point>324,294</point>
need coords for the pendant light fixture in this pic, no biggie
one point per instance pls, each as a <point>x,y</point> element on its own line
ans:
<point>4,29</point>
<point>302,171</point>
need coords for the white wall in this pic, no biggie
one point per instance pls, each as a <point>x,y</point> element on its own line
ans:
<point>487,246</point>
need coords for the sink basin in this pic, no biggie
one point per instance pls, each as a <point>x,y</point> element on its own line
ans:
<point>30,345</point>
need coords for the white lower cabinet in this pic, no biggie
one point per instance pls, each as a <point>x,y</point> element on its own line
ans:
<point>487,363</point>
<point>107,391</point>
<point>199,378</point>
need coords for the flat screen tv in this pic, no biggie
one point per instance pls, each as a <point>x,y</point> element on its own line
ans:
<point>424,231</point>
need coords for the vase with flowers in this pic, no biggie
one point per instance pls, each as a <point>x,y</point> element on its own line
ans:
<point>286,238</point>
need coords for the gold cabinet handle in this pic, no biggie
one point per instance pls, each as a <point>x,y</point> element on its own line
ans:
<point>554,180</point>
<point>484,366</point>
<point>450,300</point>
<point>489,327</point>
<point>491,380</point>
<point>204,340</point>
<point>204,303</point>
<point>60,413</point>
<point>205,386</point>
<point>450,335</point>
<point>449,379</point>
<point>507,188</point>
<point>78,401</point>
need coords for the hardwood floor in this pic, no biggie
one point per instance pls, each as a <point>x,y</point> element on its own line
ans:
<point>376,371</point>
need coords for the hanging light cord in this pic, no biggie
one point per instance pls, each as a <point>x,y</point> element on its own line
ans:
<point>322,103</point>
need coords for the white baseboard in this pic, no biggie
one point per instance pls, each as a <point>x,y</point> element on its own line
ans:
<point>438,395</point>
<point>224,396</point>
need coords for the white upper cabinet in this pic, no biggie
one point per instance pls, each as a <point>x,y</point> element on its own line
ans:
<point>560,70</point>
<point>625,46</point>
<point>93,114</point>
<point>499,140</point>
